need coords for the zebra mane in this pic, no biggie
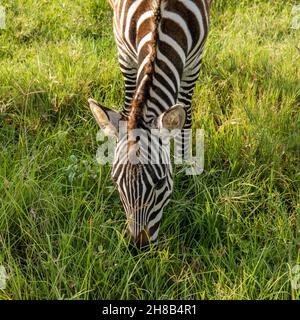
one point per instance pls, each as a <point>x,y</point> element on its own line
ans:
<point>143,89</point>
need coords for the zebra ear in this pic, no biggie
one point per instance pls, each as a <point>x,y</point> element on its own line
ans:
<point>174,118</point>
<point>107,119</point>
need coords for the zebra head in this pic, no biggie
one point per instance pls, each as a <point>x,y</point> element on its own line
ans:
<point>141,168</point>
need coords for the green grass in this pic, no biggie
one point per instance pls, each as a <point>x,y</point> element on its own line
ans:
<point>230,233</point>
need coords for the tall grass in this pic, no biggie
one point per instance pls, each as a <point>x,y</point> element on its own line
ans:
<point>230,233</point>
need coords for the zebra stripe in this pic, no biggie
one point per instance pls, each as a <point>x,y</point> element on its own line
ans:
<point>160,45</point>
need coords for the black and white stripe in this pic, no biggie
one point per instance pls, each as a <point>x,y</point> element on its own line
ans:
<point>169,35</point>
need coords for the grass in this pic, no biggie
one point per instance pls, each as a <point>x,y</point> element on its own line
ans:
<point>230,233</point>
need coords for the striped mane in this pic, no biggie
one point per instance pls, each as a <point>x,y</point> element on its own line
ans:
<point>143,88</point>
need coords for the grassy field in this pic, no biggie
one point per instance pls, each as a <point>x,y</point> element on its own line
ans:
<point>230,233</point>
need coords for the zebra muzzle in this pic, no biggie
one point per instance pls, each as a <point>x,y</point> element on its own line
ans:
<point>141,239</point>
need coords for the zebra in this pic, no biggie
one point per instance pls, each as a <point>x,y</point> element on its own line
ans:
<point>160,45</point>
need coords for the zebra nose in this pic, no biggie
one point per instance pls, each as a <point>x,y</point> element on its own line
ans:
<point>141,239</point>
